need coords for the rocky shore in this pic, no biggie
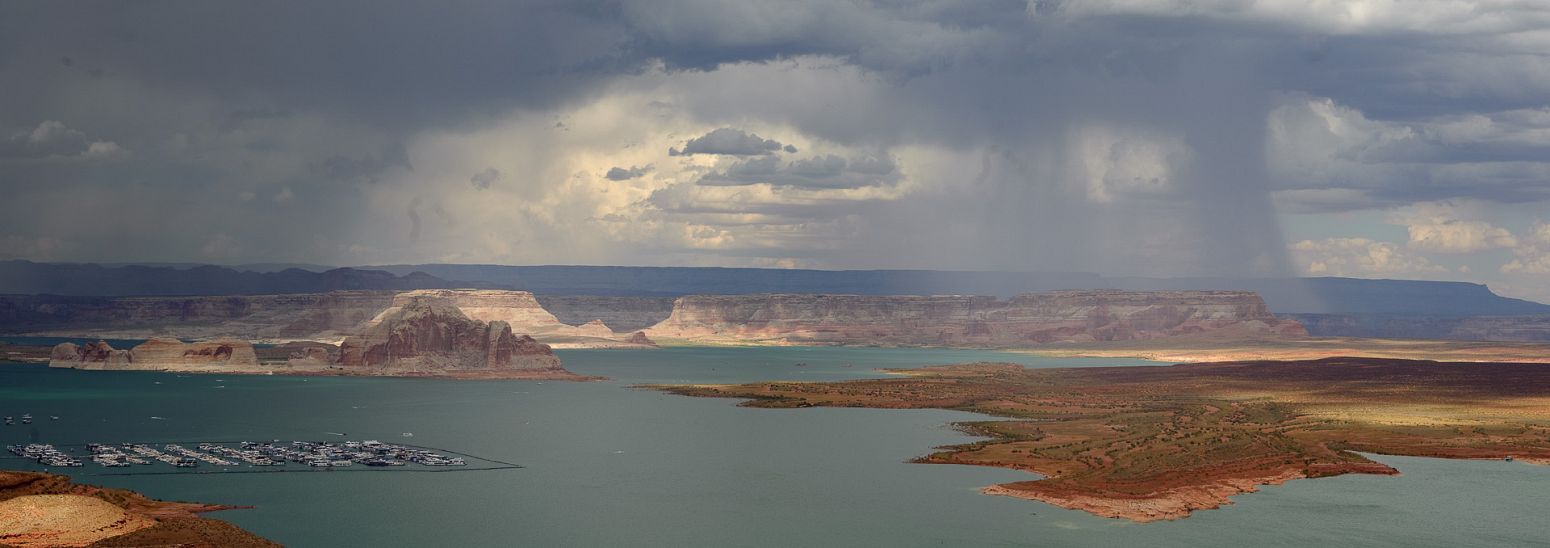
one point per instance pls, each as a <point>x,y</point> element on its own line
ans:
<point>38,510</point>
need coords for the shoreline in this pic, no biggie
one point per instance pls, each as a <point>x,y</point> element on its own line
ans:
<point>43,509</point>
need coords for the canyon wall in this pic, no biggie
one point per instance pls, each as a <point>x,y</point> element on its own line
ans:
<point>622,314</point>
<point>1034,318</point>
<point>1527,328</point>
<point>305,316</point>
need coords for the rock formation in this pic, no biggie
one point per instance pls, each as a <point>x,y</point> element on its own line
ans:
<point>639,337</point>
<point>302,353</point>
<point>172,353</point>
<point>519,309</point>
<point>1035,318</point>
<point>97,355</point>
<point>428,335</point>
<point>322,317</point>
<point>157,354</point>
<point>595,328</point>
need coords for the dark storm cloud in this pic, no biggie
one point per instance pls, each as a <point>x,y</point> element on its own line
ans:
<point>393,64</point>
<point>730,142</point>
<point>1060,107</point>
<point>365,168</point>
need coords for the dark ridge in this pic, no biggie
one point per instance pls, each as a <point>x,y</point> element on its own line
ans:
<point>70,279</point>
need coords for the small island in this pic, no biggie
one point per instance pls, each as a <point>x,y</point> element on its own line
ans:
<point>1156,443</point>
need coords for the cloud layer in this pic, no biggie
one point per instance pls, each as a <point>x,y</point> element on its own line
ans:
<point>1127,137</point>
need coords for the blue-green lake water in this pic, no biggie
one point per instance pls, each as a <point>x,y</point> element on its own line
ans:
<point>607,465</point>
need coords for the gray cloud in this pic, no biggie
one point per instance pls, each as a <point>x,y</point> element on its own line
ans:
<point>483,179</point>
<point>365,168</point>
<point>826,171</point>
<point>731,142</point>
<point>625,174</point>
<point>52,138</point>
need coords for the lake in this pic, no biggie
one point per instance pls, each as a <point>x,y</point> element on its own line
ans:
<point>606,464</point>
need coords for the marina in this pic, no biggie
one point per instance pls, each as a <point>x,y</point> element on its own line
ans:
<point>245,455</point>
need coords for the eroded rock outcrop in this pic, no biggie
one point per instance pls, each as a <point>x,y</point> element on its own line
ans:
<point>639,337</point>
<point>1035,318</point>
<point>97,355</point>
<point>429,335</point>
<point>172,353</point>
<point>303,353</point>
<point>157,354</point>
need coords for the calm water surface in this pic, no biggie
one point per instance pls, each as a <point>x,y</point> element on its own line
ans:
<point>609,465</point>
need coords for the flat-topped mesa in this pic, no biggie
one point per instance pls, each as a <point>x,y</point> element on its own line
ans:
<point>156,355</point>
<point>430,335</point>
<point>1034,318</point>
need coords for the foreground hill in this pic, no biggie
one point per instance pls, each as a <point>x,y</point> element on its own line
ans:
<point>38,509</point>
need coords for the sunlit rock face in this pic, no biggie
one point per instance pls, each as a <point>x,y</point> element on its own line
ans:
<point>172,352</point>
<point>1035,318</point>
<point>429,334</point>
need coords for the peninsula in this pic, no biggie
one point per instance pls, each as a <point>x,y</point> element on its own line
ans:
<point>1153,443</point>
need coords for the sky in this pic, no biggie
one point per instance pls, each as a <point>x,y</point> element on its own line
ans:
<point>1365,138</point>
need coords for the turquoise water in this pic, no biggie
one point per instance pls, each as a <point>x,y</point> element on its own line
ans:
<point>605,464</point>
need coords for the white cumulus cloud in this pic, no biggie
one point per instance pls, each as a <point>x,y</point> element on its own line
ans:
<point>1359,257</point>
